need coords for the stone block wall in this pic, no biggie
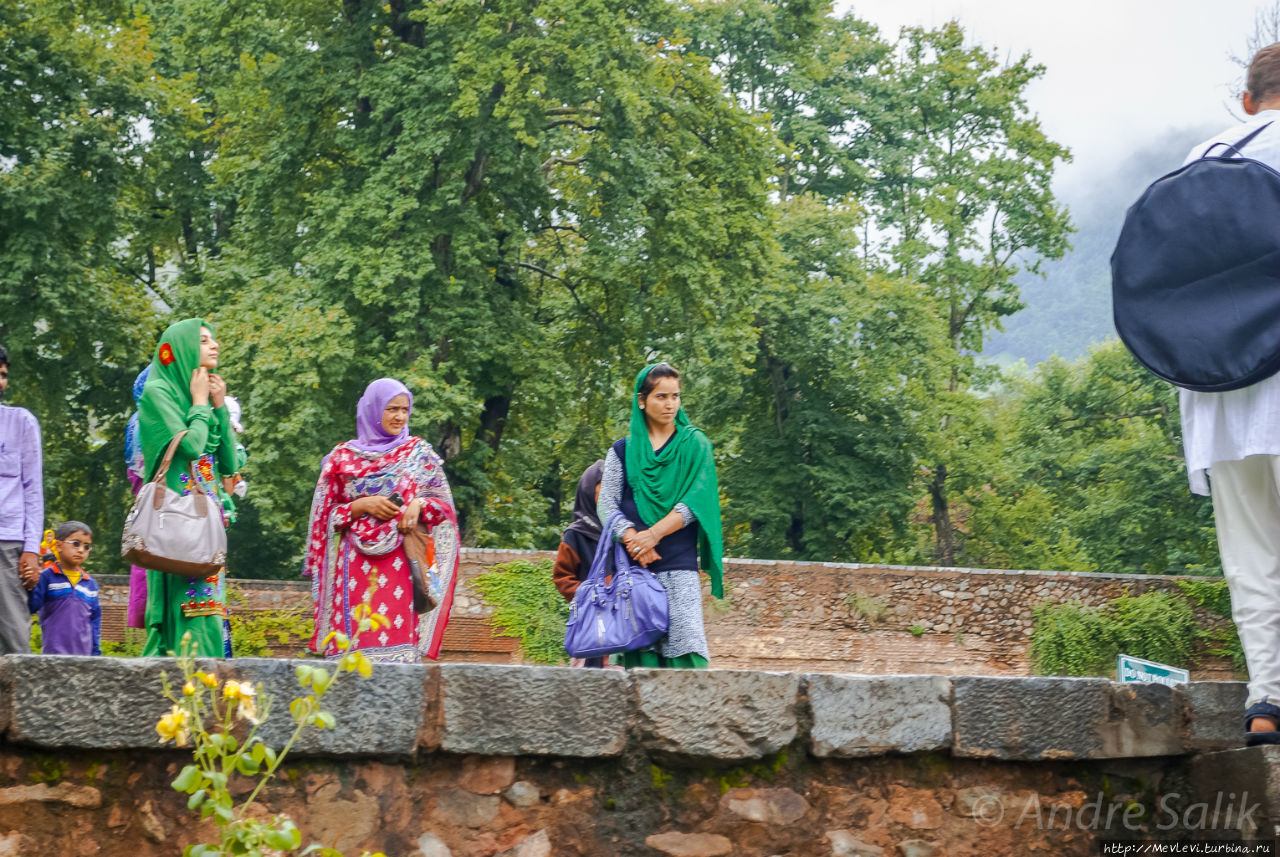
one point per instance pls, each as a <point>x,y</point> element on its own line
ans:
<point>814,617</point>
<point>476,760</point>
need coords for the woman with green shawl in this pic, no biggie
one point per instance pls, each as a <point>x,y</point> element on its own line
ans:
<point>662,478</point>
<point>181,394</point>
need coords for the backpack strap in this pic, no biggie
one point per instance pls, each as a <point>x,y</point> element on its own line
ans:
<point>1235,149</point>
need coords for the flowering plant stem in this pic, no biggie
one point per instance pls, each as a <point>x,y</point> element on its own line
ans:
<point>207,713</point>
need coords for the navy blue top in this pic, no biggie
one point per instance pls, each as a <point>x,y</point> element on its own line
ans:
<point>70,614</point>
<point>679,551</point>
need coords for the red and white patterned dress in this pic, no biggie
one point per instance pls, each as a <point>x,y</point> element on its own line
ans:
<point>346,556</point>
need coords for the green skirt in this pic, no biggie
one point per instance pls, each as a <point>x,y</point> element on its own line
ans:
<point>650,658</point>
<point>179,605</point>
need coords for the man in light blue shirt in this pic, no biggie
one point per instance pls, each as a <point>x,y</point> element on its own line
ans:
<point>21,517</point>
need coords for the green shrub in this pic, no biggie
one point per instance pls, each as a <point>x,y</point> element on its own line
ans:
<point>1213,595</point>
<point>869,607</point>
<point>918,630</point>
<point>131,647</point>
<point>527,606</point>
<point>1071,639</point>
<point>262,633</point>
<point>1158,626</point>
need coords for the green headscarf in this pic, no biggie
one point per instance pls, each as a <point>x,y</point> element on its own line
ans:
<point>684,471</point>
<point>166,398</point>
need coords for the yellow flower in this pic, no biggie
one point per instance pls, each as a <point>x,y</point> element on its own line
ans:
<point>245,696</point>
<point>189,689</point>
<point>207,679</point>
<point>173,727</point>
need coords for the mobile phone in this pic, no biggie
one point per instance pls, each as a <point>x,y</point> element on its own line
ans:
<point>396,498</point>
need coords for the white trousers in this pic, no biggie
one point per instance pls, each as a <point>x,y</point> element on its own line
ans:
<point>1246,510</point>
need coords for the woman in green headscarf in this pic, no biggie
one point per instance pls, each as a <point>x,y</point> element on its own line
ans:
<point>181,394</point>
<point>662,478</point>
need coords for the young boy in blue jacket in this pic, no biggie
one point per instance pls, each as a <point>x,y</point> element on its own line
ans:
<point>65,596</point>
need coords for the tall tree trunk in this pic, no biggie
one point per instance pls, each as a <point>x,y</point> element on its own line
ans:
<point>493,419</point>
<point>945,547</point>
<point>450,445</point>
<point>795,530</point>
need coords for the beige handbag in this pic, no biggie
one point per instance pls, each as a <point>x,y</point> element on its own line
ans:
<point>166,531</point>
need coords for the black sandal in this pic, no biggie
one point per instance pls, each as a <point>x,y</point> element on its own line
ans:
<point>1261,709</point>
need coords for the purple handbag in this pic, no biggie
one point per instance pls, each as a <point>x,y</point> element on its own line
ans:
<point>628,613</point>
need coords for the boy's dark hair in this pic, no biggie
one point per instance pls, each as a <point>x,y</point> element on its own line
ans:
<point>656,374</point>
<point>66,528</point>
<point>4,356</point>
<point>1264,73</point>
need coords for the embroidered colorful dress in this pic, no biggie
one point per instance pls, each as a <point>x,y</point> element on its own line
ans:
<point>348,556</point>
<point>175,604</point>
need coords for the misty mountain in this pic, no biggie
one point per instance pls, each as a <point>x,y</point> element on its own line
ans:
<point>1069,308</point>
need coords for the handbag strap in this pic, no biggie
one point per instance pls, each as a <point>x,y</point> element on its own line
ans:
<point>621,559</point>
<point>157,501</point>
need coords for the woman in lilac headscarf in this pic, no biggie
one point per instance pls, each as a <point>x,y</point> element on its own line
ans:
<point>356,535</point>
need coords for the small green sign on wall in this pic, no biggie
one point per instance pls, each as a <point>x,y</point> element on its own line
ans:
<point>1129,668</point>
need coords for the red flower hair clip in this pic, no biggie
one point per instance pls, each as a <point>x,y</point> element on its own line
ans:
<point>166,354</point>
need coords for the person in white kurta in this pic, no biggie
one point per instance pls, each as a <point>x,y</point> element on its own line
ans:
<point>1233,438</point>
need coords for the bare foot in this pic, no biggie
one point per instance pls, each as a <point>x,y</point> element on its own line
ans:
<point>1262,724</point>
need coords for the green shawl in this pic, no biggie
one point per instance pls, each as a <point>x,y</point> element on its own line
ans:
<point>166,398</point>
<point>684,471</point>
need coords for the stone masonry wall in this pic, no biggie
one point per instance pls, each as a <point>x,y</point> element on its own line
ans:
<point>476,760</point>
<point>814,617</point>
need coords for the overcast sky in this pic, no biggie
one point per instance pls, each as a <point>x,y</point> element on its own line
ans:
<point>1119,73</point>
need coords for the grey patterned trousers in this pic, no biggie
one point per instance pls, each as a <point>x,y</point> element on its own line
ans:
<point>15,618</point>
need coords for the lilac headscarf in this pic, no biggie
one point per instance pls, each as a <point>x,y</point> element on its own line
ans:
<point>370,436</point>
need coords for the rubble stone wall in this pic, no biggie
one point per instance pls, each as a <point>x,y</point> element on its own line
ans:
<point>475,760</point>
<point>811,617</point>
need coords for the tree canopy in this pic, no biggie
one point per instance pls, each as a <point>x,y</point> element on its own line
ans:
<point>512,206</point>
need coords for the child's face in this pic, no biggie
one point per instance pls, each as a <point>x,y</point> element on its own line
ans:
<point>74,549</point>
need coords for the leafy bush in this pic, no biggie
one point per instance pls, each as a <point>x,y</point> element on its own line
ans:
<point>1071,639</point>
<point>260,633</point>
<point>1158,626</point>
<point>1214,596</point>
<point>135,640</point>
<point>527,606</point>
<point>869,607</point>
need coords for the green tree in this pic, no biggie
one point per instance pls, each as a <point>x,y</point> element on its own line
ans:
<point>1090,475</point>
<point>492,202</point>
<point>76,86</point>
<point>962,200</point>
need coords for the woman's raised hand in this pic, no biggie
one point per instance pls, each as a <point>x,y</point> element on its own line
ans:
<point>380,507</point>
<point>200,386</point>
<point>217,390</point>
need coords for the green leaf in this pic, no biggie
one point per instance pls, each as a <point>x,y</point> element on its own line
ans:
<point>196,799</point>
<point>188,779</point>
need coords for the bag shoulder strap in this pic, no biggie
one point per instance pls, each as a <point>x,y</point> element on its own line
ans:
<point>168,456</point>
<point>1234,148</point>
